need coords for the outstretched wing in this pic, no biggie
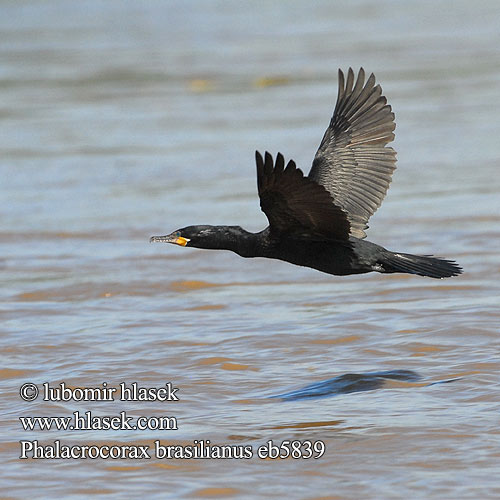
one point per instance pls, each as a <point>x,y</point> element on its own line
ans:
<point>295,204</point>
<point>353,162</point>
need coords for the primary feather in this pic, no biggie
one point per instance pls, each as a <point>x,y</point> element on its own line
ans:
<point>353,162</point>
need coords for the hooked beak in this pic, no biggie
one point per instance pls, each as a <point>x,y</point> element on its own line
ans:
<point>170,238</point>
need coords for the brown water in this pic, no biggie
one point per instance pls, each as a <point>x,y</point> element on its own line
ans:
<point>119,120</point>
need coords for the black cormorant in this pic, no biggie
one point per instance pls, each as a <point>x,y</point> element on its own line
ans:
<point>319,221</point>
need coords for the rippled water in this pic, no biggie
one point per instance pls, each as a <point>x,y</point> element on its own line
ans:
<point>120,120</point>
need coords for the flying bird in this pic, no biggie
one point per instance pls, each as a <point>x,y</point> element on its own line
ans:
<point>319,220</point>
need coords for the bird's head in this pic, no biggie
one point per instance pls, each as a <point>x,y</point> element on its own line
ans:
<point>192,236</point>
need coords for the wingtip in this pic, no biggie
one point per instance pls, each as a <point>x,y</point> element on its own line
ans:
<point>279,165</point>
<point>291,165</point>
<point>370,83</point>
<point>350,71</point>
<point>258,159</point>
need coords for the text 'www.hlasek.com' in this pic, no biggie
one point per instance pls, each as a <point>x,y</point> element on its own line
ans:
<point>132,392</point>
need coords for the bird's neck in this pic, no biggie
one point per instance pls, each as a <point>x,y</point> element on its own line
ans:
<point>235,239</point>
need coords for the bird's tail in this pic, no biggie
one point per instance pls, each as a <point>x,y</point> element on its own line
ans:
<point>423,265</point>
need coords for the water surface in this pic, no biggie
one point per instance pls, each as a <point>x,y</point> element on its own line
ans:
<point>123,120</point>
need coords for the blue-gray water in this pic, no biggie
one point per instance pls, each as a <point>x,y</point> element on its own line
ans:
<point>119,120</point>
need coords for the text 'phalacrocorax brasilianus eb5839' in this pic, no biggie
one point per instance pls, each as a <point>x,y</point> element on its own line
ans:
<point>319,221</point>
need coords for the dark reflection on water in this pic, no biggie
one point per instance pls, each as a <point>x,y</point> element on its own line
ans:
<point>354,382</point>
<point>350,382</point>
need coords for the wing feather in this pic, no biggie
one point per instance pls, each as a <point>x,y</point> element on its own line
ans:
<point>295,204</point>
<point>353,162</point>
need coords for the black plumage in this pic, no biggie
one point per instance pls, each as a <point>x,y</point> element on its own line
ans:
<point>319,221</point>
